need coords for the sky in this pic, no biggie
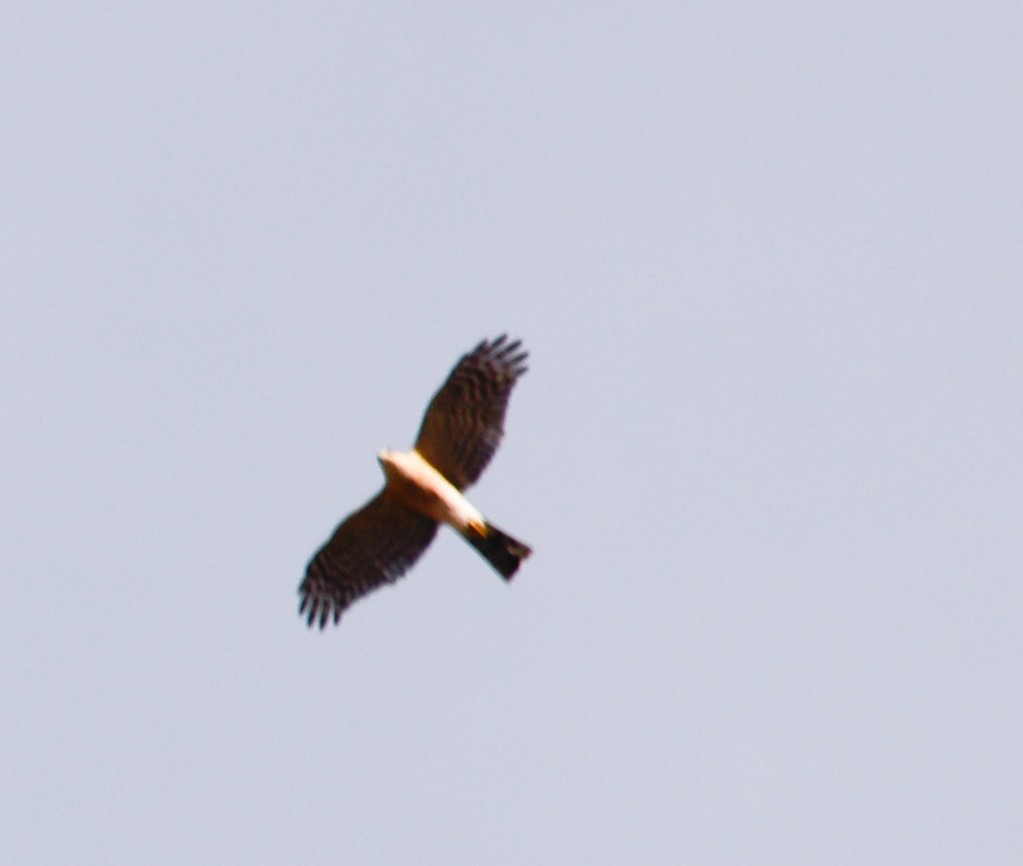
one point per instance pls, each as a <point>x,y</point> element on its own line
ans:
<point>769,451</point>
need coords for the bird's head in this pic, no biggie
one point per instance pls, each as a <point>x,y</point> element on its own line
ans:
<point>385,457</point>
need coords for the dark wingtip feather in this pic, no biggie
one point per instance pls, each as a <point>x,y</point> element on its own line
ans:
<point>317,611</point>
<point>505,352</point>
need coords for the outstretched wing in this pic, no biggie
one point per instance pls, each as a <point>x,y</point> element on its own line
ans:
<point>464,422</point>
<point>373,546</point>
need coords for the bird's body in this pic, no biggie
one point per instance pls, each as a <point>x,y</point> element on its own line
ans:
<point>421,486</point>
<point>460,432</point>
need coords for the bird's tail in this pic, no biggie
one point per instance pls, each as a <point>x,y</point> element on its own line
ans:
<point>497,547</point>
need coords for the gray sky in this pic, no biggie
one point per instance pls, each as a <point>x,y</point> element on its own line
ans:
<point>769,452</point>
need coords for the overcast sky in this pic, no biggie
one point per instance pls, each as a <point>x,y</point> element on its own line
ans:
<point>769,452</point>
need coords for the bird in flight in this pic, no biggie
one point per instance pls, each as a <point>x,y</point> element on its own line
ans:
<point>423,488</point>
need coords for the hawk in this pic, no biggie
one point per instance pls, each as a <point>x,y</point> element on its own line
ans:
<point>423,488</point>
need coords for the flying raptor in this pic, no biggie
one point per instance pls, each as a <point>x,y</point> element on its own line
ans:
<point>460,432</point>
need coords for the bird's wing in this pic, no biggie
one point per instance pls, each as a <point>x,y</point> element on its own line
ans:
<point>464,422</point>
<point>371,547</point>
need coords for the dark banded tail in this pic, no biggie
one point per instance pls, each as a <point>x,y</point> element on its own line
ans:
<point>498,548</point>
